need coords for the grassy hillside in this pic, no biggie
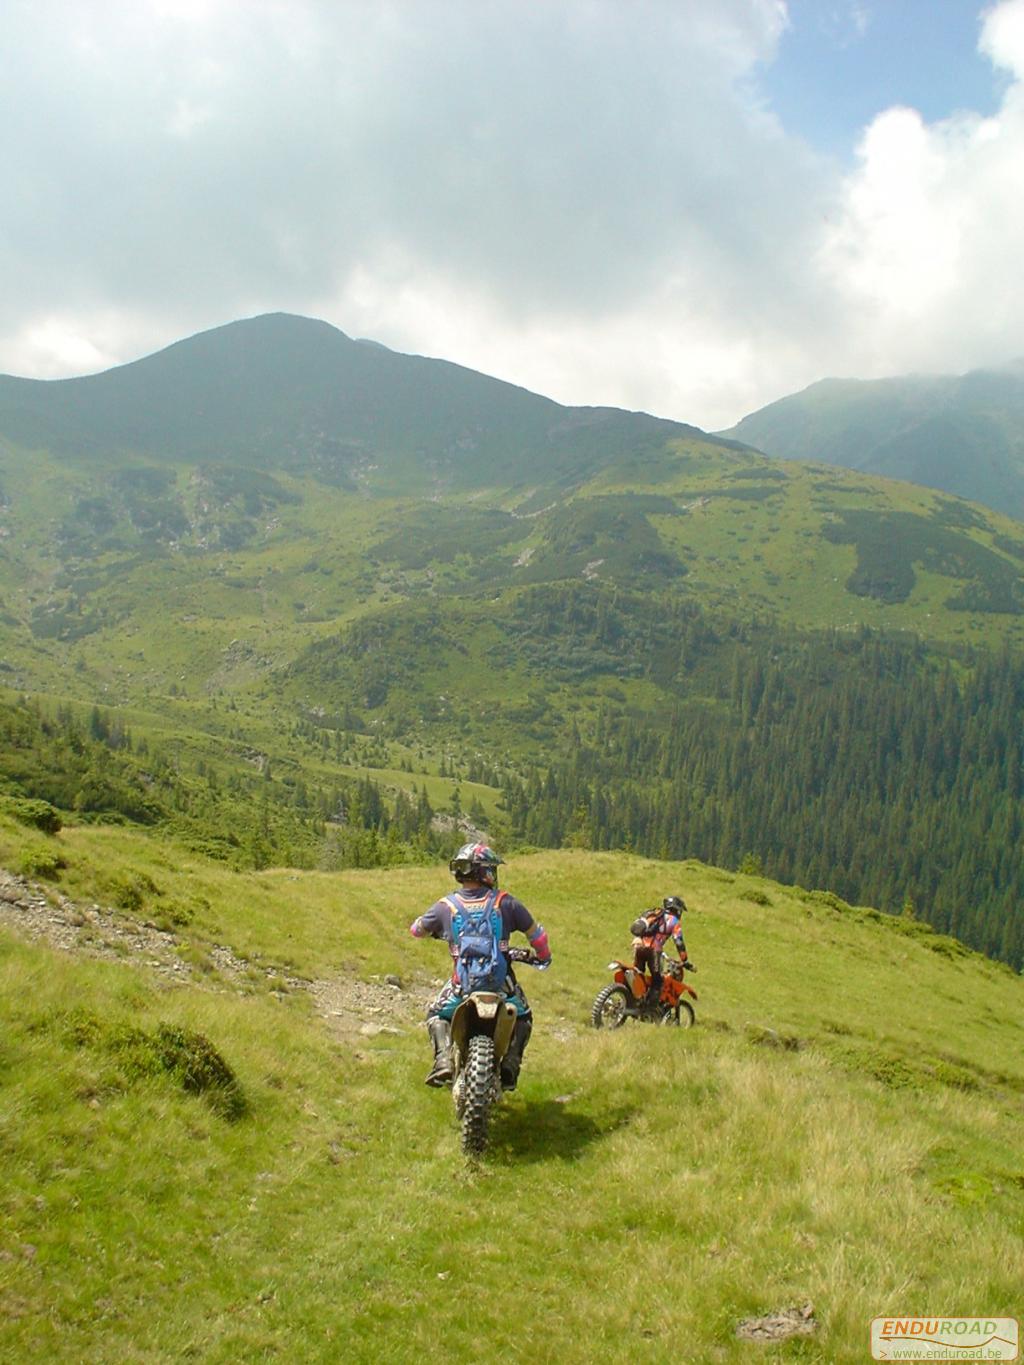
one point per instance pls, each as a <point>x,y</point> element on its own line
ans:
<point>848,1108</point>
<point>463,639</point>
<point>963,434</point>
<point>477,584</point>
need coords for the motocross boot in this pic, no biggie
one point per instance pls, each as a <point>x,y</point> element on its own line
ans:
<point>440,1031</point>
<point>653,996</point>
<point>513,1058</point>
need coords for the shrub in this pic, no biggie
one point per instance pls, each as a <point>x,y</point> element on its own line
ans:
<point>169,1050</point>
<point>948,947</point>
<point>129,890</point>
<point>200,1068</point>
<point>770,1037</point>
<point>885,1067</point>
<point>174,916</point>
<point>828,898</point>
<point>952,1074</point>
<point>755,896</point>
<point>39,814</point>
<point>78,1027</point>
<point>41,862</point>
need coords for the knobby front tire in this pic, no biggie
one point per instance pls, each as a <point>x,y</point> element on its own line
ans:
<point>680,1017</point>
<point>479,1086</point>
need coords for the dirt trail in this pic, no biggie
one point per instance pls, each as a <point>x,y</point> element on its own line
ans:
<point>347,1005</point>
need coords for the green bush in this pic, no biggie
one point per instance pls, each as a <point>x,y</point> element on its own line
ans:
<point>885,1067</point>
<point>200,1068</point>
<point>175,915</point>
<point>28,811</point>
<point>828,898</point>
<point>948,947</point>
<point>954,1075</point>
<point>169,1050</point>
<point>130,890</point>
<point>41,862</point>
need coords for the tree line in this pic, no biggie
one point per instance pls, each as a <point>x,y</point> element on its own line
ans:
<point>858,763</point>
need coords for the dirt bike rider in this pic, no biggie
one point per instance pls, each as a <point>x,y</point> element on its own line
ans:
<point>475,868</point>
<point>651,931</point>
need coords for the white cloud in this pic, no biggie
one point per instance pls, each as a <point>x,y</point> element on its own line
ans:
<point>923,255</point>
<point>52,347</point>
<point>1002,36</point>
<point>588,198</point>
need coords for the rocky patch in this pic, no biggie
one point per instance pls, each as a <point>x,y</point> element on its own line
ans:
<point>349,1007</point>
<point>786,1322</point>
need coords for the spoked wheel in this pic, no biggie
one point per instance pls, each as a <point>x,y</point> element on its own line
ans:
<point>478,1079</point>
<point>680,1017</point>
<point>610,1007</point>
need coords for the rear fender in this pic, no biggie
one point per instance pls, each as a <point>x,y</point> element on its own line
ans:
<point>484,1012</point>
<point>625,974</point>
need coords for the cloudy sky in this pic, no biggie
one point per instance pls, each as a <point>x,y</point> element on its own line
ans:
<point>685,206</point>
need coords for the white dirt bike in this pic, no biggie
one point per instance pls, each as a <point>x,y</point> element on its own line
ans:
<point>483,1028</point>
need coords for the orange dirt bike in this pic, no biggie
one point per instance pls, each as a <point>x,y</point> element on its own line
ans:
<point>482,1029</point>
<point>629,997</point>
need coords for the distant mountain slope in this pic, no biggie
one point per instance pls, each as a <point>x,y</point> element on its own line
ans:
<point>298,394</point>
<point>963,434</point>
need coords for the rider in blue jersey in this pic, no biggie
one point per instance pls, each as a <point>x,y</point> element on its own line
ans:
<point>475,868</point>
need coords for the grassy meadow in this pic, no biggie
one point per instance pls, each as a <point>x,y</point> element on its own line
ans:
<point>843,1127</point>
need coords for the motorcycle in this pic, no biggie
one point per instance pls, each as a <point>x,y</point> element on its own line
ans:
<point>629,997</point>
<point>483,1027</point>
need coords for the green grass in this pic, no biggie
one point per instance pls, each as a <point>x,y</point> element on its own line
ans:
<point>847,1109</point>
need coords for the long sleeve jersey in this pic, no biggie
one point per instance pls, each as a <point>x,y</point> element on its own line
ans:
<point>664,926</point>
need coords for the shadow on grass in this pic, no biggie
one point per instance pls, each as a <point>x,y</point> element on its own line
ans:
<point>540,1130</point>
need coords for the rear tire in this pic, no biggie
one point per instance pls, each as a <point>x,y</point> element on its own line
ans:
<point>478,1087</point>
<point>610,1007</point>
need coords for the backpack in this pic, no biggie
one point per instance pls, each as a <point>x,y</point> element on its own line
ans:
<point>477,931</point>
<point>643,928</point>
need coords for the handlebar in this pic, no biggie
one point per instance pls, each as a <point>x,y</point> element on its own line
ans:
<point>526,957</point>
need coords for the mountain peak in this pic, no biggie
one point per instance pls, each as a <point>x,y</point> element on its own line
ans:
<point>286,391</point>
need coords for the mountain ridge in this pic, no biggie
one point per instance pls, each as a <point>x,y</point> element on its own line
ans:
<point>963,434</point>
<point>279,384</point>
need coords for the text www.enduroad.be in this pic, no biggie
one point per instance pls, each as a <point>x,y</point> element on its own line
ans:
<point>922,1351</point>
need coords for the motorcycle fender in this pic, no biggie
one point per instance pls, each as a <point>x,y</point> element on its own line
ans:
<point>487,1005</point>
<point>504,1029</point>
<point>484,1013</point>
<point>464,1022</point>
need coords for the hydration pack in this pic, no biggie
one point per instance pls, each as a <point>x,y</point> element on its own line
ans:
<point>642,927</point>
<point>477,931</point>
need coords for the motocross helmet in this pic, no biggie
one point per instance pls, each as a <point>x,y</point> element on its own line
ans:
<point>675,905</point>
<point>476,863</point>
